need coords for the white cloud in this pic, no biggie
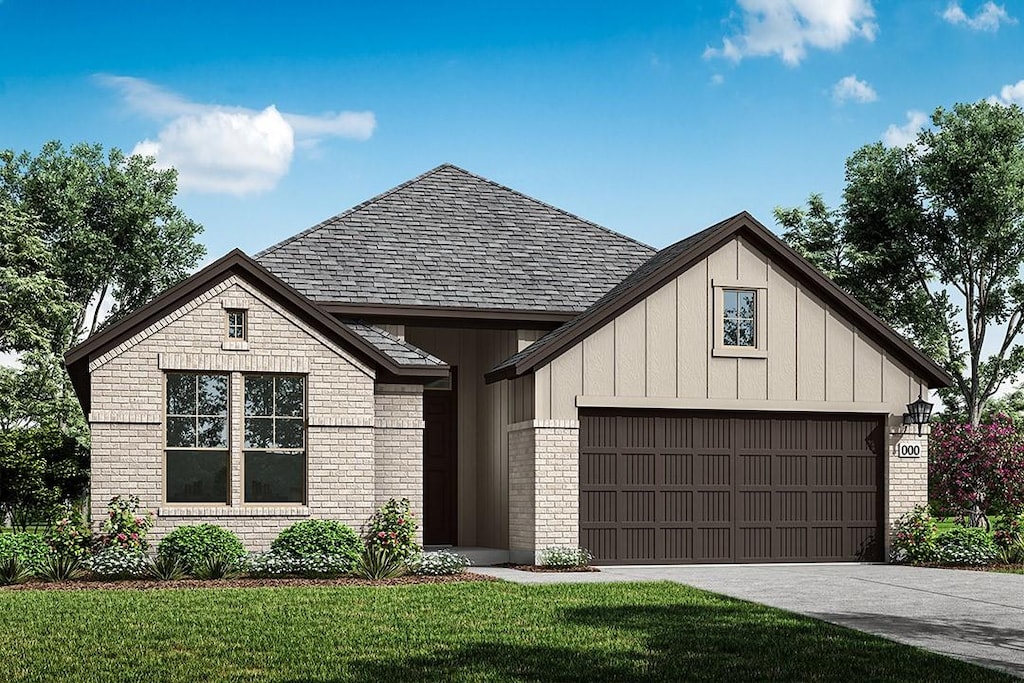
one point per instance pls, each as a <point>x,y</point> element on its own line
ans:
<point>787,28</point>
<point>852,88</point>
<point>988,17</point>
<point>717,79</point>
<point>225,149</point>
<point>901,136</point>
<point>1010,94</point>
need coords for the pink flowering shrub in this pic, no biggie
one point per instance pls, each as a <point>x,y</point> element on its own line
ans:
<point>393,528</point>
<point>913,537</point>
<point>69,536</point>
<point>977,471</point>
<point>125,526</point>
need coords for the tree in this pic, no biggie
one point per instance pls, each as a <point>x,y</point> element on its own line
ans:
<point>977,470</point>
<point>109,222</point>
<point>931,237</point>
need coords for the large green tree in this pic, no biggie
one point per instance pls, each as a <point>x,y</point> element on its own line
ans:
<point>931,236</point>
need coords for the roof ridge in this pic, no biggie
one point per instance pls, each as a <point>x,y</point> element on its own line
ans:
<point>351,210</point>
<point>541,202</point>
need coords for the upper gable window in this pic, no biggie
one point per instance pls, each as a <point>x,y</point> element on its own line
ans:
<point>237,324</point>
<point>739,321</point>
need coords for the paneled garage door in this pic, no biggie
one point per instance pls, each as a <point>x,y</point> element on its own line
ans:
<point>682,487</point>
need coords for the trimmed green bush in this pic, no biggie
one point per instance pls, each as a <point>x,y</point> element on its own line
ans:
<point>965,546</point>
<point>29,549</point>
<point>319,538</point>
<point>192,545</point>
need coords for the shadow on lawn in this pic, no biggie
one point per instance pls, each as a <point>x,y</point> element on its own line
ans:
<point>733,641</point>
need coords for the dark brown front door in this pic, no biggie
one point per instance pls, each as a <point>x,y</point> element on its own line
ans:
<point>440,465</point>
<point>689,487</point>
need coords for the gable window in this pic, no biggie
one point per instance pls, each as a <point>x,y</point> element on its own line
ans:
<point>236,325</point>
<point>275,439</point>
<point>739,317</point>
<point>196,456</point>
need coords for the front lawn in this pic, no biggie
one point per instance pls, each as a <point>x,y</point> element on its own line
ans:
<point>466,631</point>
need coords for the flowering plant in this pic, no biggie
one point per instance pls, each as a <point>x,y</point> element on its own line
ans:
<point>125,526</point>
<point>440,563</point>
<point>393,527</point>
<point>69,536</point>
<point>976,470</point>
<point>913,537</point>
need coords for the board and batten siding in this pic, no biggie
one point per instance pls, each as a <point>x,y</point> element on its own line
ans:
<point>661,348</point>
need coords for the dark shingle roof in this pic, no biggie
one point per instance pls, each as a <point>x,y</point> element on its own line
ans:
<point>453,239</point>
<point>657,261</point>
<point>400,351</point>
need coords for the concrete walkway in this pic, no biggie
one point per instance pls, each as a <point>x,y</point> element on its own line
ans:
<point>974,616</point>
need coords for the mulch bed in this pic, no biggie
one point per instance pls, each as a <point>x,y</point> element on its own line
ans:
<point>975,567</point>
<point>145,585</point>
<point>544,569</point>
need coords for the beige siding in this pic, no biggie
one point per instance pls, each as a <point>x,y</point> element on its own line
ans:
<point>661,350</point>
<point>484,413</point>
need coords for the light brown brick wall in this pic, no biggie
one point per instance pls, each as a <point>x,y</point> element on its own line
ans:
<point>907,467</point>
<point>398,447</point>
<point>347,424</point>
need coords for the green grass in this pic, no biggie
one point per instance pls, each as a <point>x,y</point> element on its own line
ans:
<point>468,631</point>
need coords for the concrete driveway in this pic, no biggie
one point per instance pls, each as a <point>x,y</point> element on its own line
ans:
<point>974,616</point>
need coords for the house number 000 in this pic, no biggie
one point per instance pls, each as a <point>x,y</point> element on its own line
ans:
<point>909,450</point>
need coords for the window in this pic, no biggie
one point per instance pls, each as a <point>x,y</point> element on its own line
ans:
<point>236,325</point>
<point>739,322</point>
<point>275,439</point>
<point>196,459</point>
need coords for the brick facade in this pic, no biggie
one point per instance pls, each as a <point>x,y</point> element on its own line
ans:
<point>357,440</point>
<point>907,468</point>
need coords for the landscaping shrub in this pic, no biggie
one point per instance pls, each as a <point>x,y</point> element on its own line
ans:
<point>12,571</point>
<point>125,526</point>
<point>277,564</point>
<point>192,545</point>
<point>377,563</point>
<point>164,568</point>
<point>965,546</point>
<point>69,536</point>
<point>118,563</point>
<point>565,557</point>
<point>217,567</point>
<point>440,563</point>
<point>319,538</point>
<point>913,537</point>
<point>61,568</point>
<point>29,549</point>
<point>1007,531</point>
<point>393,528</point>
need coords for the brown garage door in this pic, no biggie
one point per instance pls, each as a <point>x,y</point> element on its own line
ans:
<point>681,487</point>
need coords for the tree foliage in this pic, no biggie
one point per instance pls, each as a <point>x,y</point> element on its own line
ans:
<point>931,237</point>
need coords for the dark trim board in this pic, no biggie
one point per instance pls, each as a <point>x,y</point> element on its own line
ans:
<point>427,316</point>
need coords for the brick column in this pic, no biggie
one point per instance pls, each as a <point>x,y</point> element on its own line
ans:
<point>398,446</point>
<point>907,467</point>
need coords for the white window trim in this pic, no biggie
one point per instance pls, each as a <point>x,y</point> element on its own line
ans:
<point>718,347</point>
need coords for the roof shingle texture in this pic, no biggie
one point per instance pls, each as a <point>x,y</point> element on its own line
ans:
<point>398,350</point>
<point>453,239</point>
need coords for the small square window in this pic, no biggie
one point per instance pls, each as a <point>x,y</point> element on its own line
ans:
<point>237,325</point>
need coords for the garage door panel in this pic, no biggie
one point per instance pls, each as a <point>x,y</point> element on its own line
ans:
<point>662,486</point>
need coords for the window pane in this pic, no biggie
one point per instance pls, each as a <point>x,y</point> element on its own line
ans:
<point>181,394</point>
<point>746,304</point>
<point>259,395</point>
<point>289,397</point>
<point>197,477</point>
<point>181,432</point>
<point>274,478</point>
<point>729,332</point>
<point>729,299</point>
<point>745,333</point>
<point>289,432</point>
<point>213,395</point>
<point>213,432</point>
<point>259,432</point>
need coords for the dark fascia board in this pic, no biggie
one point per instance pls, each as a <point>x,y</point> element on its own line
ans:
<point>744,225</point>
<point>234,262</point>
<point>446,315</point>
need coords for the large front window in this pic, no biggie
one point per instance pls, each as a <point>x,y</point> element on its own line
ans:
<point>275,439</point>
<point>197,438</point>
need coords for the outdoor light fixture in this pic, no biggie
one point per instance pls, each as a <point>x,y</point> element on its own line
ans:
<point>918,413</point>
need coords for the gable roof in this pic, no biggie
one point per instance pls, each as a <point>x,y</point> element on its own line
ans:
<point>401,359</point>
<point>454,240</point>
<point>673,260</point>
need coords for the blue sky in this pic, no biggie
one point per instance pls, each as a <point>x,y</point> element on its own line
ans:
<point>655,119</point>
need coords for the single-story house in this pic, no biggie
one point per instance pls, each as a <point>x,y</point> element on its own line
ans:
<point>525,377</point>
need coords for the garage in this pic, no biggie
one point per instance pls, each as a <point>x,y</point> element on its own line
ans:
<point>664,487</point>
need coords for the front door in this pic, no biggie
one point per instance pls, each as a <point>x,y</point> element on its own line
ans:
<point>440,464</point>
